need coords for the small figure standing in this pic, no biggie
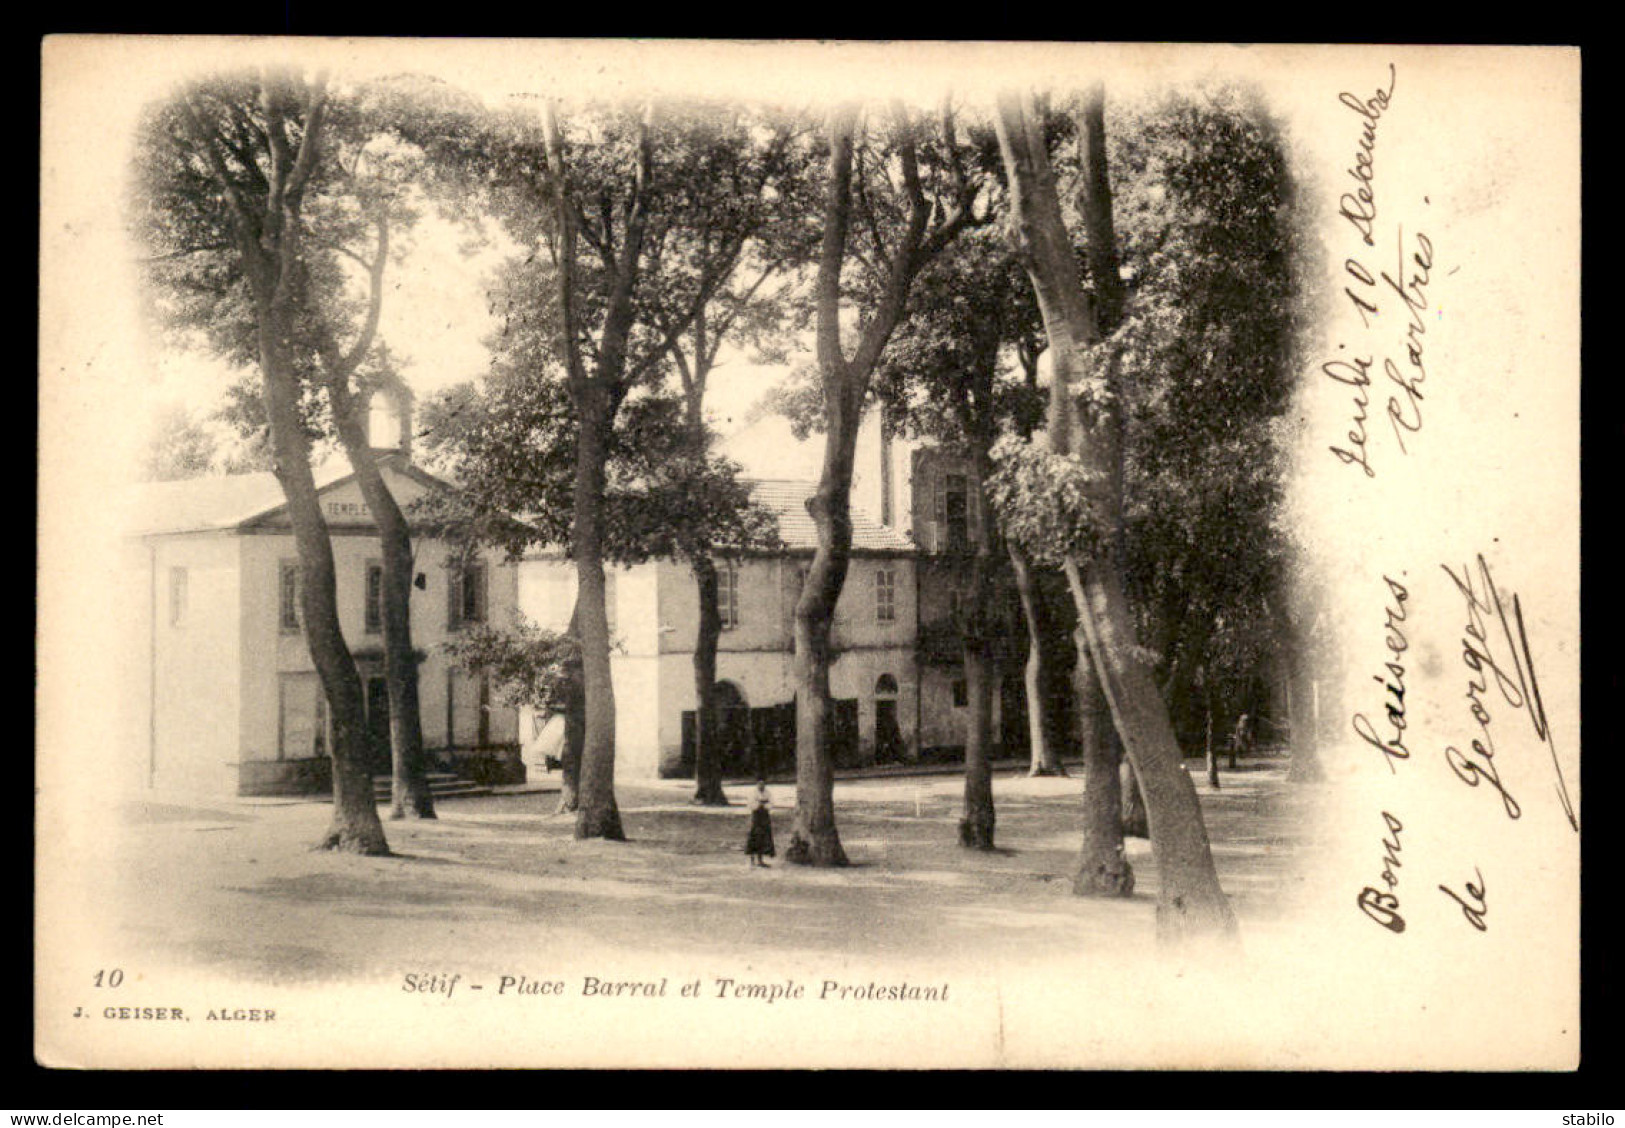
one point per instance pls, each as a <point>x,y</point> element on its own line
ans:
<point>759,843</point>
<point>1241,741</point>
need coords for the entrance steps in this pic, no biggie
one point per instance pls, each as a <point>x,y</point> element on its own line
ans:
<point>442,785</point>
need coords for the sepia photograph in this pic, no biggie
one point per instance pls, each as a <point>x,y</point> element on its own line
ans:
<point>721,555</point>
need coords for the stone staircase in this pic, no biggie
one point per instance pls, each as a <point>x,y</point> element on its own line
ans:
<point>442,785</point>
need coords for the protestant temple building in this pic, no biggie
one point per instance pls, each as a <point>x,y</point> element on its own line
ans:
<point>228,701</point>
<point>224,699</point>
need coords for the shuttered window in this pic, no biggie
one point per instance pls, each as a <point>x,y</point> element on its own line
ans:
<point>288,596</point>
<point>465,595</point>
<point>302,724</point>
<point>885,596</point>
<point>375,598</point>
<point>728,597</point>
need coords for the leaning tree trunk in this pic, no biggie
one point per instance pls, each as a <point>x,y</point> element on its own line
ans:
<point>1043,736</point>
<point>1134,817</point>
<point>1190,901</point>
<point>1103,866</point>
<point>267,245</point>
<point>814,840</point>
<point>707,751</point>
<point>409,769</point>
<point>355,827</point>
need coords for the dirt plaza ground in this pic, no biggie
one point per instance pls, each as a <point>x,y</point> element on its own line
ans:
<point>234,888</point>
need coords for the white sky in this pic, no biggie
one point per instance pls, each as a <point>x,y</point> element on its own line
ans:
<point>435,312</point>
<point>435,319</point>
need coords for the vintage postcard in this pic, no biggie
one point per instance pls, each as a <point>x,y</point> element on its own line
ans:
<point>882,555</point>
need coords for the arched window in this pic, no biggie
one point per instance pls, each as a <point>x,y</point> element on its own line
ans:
<point>886,686</point>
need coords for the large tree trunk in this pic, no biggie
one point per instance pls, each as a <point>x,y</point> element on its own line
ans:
<point>575,737</point>
<point>355,827</point>
<point>268,250</point>
<point>707,753</point>
<point>410,783</point>
<point>596,813</point>
<point>1043,734</point>
<point>1190,901</point>
<point>596,398</point>
<point>845,382</point>
<point>976,827</point>
<point>1135,824</point>
<point>1103,866</point>
<point>814,840</point>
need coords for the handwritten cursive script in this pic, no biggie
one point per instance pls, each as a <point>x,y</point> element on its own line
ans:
<point>1369,292</point>
<point>1392,747</point>
<point>1359,207</point>
<point>1473,906</point>
<point>1511,677</point>
<point>1380,906</point>
<point>1412,291</point>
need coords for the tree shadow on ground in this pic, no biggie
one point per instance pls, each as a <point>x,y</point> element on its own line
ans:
<point>487,882</point>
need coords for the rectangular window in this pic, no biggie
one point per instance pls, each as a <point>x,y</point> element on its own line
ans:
<point>288,588</point>
<point>961,694</point>
<point>728,597</point>
<point>885,596</point>
<point>939,514</point>
<point>465,595</point>
<point>375,598</point>
<point>956,513</point>
<point>177,596</point>
<point>303,721</point>
<point>466,705</point>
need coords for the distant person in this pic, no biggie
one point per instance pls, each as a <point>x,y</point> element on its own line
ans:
<point>1241,741</point>
<point>759,843</point>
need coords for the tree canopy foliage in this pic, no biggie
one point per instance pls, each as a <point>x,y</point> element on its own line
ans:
<point>508,446</point>
<point>1204,359</point>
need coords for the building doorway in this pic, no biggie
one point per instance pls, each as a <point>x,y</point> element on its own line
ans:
<point>735,735</point>
<point>378,753</point>
<point>735,747</point>
<point>889,746</point>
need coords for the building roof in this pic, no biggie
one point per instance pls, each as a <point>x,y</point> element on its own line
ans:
<point>235,500</point>
<point>787,499</point>
<point>228,501</point>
